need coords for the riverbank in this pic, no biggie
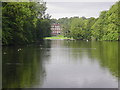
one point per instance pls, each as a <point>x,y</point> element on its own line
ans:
<point>58,38</point>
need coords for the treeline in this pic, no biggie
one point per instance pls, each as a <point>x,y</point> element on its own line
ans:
<point>105,27</point>
<point>24,22</point>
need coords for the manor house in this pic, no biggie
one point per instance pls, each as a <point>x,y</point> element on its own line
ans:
<point>56,29</point>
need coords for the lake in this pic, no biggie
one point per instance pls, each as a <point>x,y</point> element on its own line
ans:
<point>61,64</point>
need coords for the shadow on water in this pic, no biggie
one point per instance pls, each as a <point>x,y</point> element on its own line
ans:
<point>23,66</point>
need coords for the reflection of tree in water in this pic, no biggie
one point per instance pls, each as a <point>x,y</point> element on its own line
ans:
<point>119,62</point>
<point>78,49</point>
<point>22,68</point>
<point>105,52</point>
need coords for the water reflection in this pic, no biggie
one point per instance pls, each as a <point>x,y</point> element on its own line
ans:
<point>61,64</point>
<point>79,64</point>
<point>22,69</point>
<point>105,52</point>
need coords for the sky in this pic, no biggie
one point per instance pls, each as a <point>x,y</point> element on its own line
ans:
<point>71,8</point>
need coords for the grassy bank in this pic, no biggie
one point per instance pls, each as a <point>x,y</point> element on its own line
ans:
<point>59,37</point>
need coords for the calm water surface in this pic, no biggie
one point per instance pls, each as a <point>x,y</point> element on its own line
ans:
<point>61,64</point>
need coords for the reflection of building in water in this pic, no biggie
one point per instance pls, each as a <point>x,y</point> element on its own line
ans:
<point>56,29</point>
<point>57,43</point>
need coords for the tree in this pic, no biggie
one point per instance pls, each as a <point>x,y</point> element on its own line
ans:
<point>21,21</point>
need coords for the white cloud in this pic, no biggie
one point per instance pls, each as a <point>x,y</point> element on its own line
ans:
<point>70,9</point>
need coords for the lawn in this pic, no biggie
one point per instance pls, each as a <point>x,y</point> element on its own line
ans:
<point>59,37</point>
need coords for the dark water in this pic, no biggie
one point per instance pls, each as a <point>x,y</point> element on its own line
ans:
<point>61,64</point>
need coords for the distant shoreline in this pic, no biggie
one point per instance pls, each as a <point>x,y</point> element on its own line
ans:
<point>58,38</point>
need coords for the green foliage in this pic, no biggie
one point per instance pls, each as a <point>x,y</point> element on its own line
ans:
<point>76,29</point>
<point>105,27</point>
<point>87,27</point>
<point>24,22</point>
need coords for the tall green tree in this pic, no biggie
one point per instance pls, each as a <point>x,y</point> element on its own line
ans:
<point>76,29</point>
<point>107,25</point>
<point>21,21</point>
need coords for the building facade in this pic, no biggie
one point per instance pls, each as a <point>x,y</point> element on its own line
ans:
<point>56,29</point>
